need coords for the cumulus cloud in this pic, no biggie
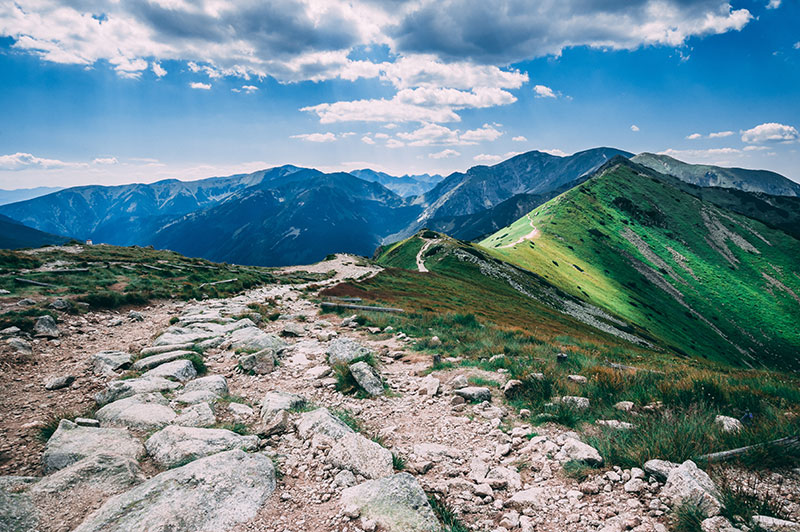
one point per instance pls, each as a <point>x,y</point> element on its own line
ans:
<point>519,138</point>
<point>770,132</point>
<point>437,135</point>
<point>484,133</point>
<point>444,154</point>
<point>542,91</point>
<point>22,161</point>
<point>720,134</point>
<point>105,160</point>
<point>774,4</point>
<point>158,70</point>
<point>556,152</point>
<point>247,89</point>
<point>634,128</point>
<point>694,136</point>
<point>394,143</point>
<point>367,140</point>
<point>316,137</point>
<point>200,86</point>
<point>797,45</point>
<point>486,158</point>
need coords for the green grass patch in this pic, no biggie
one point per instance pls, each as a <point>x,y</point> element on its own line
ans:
<point>577,470</point>
<point>445,515</point>
<point>688,517</point>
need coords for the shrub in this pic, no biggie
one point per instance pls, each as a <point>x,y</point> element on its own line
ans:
<point>446,515</point>
<point>688,517</point>
<point>577,470</point>
<point>741,498</point>
<point>198,363</point>
<point>398,462</point>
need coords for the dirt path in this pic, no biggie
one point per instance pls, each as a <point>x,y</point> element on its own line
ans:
<point>420,256</point>
<point>530,236</point>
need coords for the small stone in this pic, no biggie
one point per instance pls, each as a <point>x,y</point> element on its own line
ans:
<point>46,327</point>
<point>625,406</point>
<point>772,524</point>
<point>580,379</point>
<point>512,388</point>
<point>135,316</point>
<point>56,383</point>
<point>435,342</point>
<point>86,422</point>
<point>475,394</point>
<point>728,424</point>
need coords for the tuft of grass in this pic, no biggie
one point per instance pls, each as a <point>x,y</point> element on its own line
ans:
<point>173,320</point>
<point>481,381</point>
<point>347,417</point>
<point>238,428</point>
<point>564,414</point>
<point>446,515</point>
<point>688,517</point>
<point>398,462</point>
<point>50,424</point>
<point>578,470</point>
<point>742,499</point>
<point>198,363</point>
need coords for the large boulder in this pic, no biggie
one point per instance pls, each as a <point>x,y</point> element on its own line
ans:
<point>258,363</point>
<point>660,469</point>
<point>396,503</point>
<point>103,473</point>
<point>367,378</point>
<point>177,370</point>
<point>120,389</point>
<point>176,445</point>
<point>46,327</point>
<point>109,362</point>
<point>321,421</point>
<point>773,524</point>
<point>688,483</point>
<point>574,449</point>
<point>254,339</point>
<point>208,495</point>
<point>361,456</point>
<point>276,401</point>
<point>196,415</point>
<point>17,510</point>
<point>529,498</point>
<point>345,350</point>
<point>156,360</point>
<point>71,443</point>
<point>215,384</point>
<point>475,394</point>
<point>144,411</point>
<point>157,350</point>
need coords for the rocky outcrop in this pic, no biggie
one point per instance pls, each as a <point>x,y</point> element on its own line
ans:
<point>176,445</point>
<point>367,378</point>
<point>178,370</point>
<point>120,389</point>
<point>321,421</point>
<point>71,443</point>
<point>361,456</point>
<point>396,503</point>
<point>144,411</point>
<point>688,483</point>
<point>276,401</point>
<point>345,350</point>
<point>104,473</point>
<point>208,495</point>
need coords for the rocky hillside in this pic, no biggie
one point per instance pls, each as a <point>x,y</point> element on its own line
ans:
<point>259,412</point>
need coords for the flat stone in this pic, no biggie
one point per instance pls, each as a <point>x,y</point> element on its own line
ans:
<point>179,370</point>
<point>361,456</point>
<point>660,469</point>
<point>345,350</point>
<point>208,495</point>
<point>153,361</point>
<point>144,411</point>
<point>158,349</point>
<point>581,403</point>
<point>275,401</point>
<point>213,383</point>
<point>57,383</point>
<point>475,394</point>
<point>17,510</point>
<point>20,346</point>
<point>578,379</point>
<point>176,445</point>
<point>103,473</point>
<point>293,330</point>
<point>195,397</point>
<point>254,339</point>
<point>46,327</point>
<point>71,443</point>
<point>574,449</point>
<point>196,415</point>
<point>241,410</point>
<point>321,421</point>
<point>277,424</point>
<point>108,362</point>
<point>367,378</point>
<point>615,424</point>
<point>429,386</point>
<point>259,363</point>
<point>772,524</point>
<point>317,372</point>
<point>396,503</point>
<point>529,498</point>
<point>625,406</point>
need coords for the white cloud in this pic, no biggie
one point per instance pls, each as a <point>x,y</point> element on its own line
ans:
<point>543,91</point>
<point>519,138</point>
<point>436,135</point>
<point>694,136</point>
<point>556,152</point>
<point>484,133</point>
<point>247,89</point>
<point>755,148</point>
<point>634,128</point>
<point>444,154</point>
<point>380,111</point>
<point>200,86</point>
<point>367,140</point>
<point>770,132</point>
<point>486,158</point>
<point>158,70</point>
<point>720,134</point>
<point>381,136</point>
<point>22,161</point>
<point>797,45</point>
<point>105,160</point>
<point>390,126</point>
<point>774,4</point>
<point>394,143</point>
<point>315,137</point>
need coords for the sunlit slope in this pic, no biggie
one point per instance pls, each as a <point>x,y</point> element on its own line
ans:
<point>705,281</point>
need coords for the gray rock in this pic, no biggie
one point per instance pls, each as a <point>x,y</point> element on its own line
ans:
<point>10,331</point>
<point>317,372</point>
<point>86,422</point>
<point>108,362</point>
<point>578,379</point>
<point>259,363</point>
<point>20,346</point>
<point>396,503</point>
<point>240,410</point>
<point>615,424</point>
<point>361,456</point>
<point>254,339</point>
<point>4,292</point>
<point>71,443</point>
<point>116,390</point>
<point>345,350</point>
<point>145,411</point>
<point>26,302</point>
<point>574,449</point>
<point>429,386</point>
<point>512,388</point>
<point>529,498</point>
<point>501,477</point>
<point>293,330</point>
<point>46,327</point>
<point>59,304</point>
<point>475,394</point>
<point>344,479</point>
<point>56,383</point>
<point>660,469</point>
<point>175,445</point>
<point>17,510</point>
<point>728,424</point>
<point>107,474</point>
<point>367,378</point>
<point>718,524</point>
<point>196,415</point>
<point>153,361</point>
<point>321,421</point>
<point>688,483</point>
<point>135,316</point>
<point>771,524</point>
<point>178,370</point>
<point>625,406</point>
<point>274,402</point>
<point>581,403</point>
<point>208,495</point>
<point>277,424</point>
<point>157,350</point>
<point>195,397</point>
<point>458,382</point>
<point>213,383</point>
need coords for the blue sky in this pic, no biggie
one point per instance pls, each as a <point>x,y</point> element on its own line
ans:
<point>108,92</point>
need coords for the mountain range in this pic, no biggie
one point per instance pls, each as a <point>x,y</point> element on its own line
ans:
<point>288,214</point>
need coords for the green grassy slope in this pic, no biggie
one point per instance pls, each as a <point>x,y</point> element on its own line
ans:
<point>705,281</point>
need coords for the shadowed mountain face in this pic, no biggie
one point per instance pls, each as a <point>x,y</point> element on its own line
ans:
<point>704,280</point>
<point>405,186</point>
<point>715,176</point>
<point>14,235</point>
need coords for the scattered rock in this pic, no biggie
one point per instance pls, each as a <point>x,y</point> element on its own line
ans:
<point>107,363</point>
<point>429,386</point>
<point>579,379</point>
<point>771,524</point>
<point>135,316</point>
<point>574,449</point>
<point>396,503</point>
<point>59,304</point>
<point>581,403</point>
<point>209,494</point>
<point>615,424</point>
<point>71,443</point>
<point>241,410</point>
<point>254,339</point>
<point>625,406</point>
<point>512,388</point>
<point>157,350</point>
<point>277,424</point>
<point>475,394</point>
<point>153,361</point>
<point>718,524</point>
<point>660,469</point>
<point>689,483</point>
<point>179,370</point>
<point>196,415</point>
<point>56,383</point>
<point>274,402</point>
<point>293,330</point>
<point>86,422</point>
<point>45,327</point>
<point>367,378</point>
<point>435,342</point>
<point>321,421</point>
<point>529,498</point>
<point>176,445</point>
<point>120,389</point>
<point>20,346</point>
<point>259,363</point>
<point>317,372</point>
<point>361,456</point>
<point>215,384</point>
<point>345,350</point>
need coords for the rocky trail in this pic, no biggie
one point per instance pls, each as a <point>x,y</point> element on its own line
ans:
<point>530,236</point>
<point>263,441</point>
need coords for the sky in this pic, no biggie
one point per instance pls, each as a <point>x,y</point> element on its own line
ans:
<point>109,92</point>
